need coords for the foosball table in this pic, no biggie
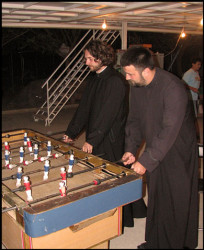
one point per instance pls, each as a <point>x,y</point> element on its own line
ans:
<point>57,196</point>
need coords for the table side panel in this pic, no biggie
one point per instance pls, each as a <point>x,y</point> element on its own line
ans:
<point>37,225</point>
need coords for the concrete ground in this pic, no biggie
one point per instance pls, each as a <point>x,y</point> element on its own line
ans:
<point>132,237</point>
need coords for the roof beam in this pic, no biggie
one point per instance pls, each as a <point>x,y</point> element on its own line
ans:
<point>91,26</point>
<point>131,6</point>
<point>115,4</point>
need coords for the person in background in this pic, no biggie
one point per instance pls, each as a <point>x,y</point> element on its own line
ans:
<point>192,80</point>
<point>161,114</point>
<point>102,113</point>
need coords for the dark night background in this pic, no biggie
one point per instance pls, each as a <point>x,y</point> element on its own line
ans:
<point>29,56</point>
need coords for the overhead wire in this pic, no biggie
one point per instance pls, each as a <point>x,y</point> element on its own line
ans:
<point>174,47</point>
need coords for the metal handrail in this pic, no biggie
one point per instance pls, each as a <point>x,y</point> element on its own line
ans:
<point>66,95</point>
<point>66,58</point>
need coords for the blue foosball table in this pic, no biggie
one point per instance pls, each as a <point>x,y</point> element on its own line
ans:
<point>89,212</point>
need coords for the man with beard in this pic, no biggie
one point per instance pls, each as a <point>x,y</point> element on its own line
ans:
<point>160,113</point>
<point>102,112</point>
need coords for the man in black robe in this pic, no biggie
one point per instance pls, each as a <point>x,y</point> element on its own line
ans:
<point>161,114</point>
<point>102,112</point>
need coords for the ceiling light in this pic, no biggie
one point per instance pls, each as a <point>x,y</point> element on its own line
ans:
<point>183,34</point>
<point>104,24</point>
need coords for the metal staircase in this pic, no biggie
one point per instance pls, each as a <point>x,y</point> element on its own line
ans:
<point>68,76</point>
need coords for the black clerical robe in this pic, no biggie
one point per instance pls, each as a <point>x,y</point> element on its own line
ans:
<point>161,114</point>
<point>102,113</point>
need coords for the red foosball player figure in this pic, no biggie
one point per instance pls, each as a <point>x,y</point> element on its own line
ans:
<point>42,158</point>
<point>63,174</point>
<point>26,163</point>
<point>29,145</point>
<point>28,189</point>
<point>6,146</point>
<point>62,188</point>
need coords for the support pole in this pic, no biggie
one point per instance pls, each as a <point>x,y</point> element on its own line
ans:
<point>124,35</point>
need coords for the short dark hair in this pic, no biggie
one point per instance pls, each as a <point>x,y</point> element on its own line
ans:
<point>101,50</point>
<point>196,59</point>
<point>139,57</point>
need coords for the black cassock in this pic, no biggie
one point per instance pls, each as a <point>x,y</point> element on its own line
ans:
<point>161,114</point>
<point>102,112</point>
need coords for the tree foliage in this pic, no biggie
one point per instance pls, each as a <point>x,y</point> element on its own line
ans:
<point>35,53</point>
<point>43,40</point>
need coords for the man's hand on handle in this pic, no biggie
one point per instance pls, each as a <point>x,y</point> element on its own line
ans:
<point>67,139</point>
<point>129,158</point>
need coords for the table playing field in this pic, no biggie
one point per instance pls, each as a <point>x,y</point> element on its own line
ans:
<point>88,215</point>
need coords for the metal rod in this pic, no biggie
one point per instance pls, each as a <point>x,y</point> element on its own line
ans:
<point>95,182</point>
<point>56,133</point>
<point>8,209</point>
<point>88,169</point>
<point>9,135</point>
<point>24,146</point>
<point>14,141</point>
<point>22,188</point>
<point>33,161</point>
<point>14,176</point>
<point>44,149</point>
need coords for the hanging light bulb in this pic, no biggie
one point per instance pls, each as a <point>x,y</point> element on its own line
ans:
<point>201,22</point>
<point>104,24</point>
<point>183,34</point>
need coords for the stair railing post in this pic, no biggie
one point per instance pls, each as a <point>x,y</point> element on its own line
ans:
<point>48,103</point>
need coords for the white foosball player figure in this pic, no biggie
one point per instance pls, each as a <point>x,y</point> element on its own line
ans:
<point>46,170</point>
<point>19,176</point>
<point>21,154</point>
<point>25,139</point>
<point>28,189</point>
<point>63,174</point>
<point>29,145</point>
<point>62,188</point>
<point>35,151</point>
<point>7,160</point>
<point>49,148</point>
<point>71,163</point>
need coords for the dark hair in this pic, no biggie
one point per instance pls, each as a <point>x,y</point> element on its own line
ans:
<point>196,59</point>
<point>139,57</point>
<point>101,50</point>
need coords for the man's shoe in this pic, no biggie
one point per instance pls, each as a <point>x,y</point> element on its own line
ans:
<point>142,246</point>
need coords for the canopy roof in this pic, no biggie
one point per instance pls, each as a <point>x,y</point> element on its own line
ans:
<point>167,17</point>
